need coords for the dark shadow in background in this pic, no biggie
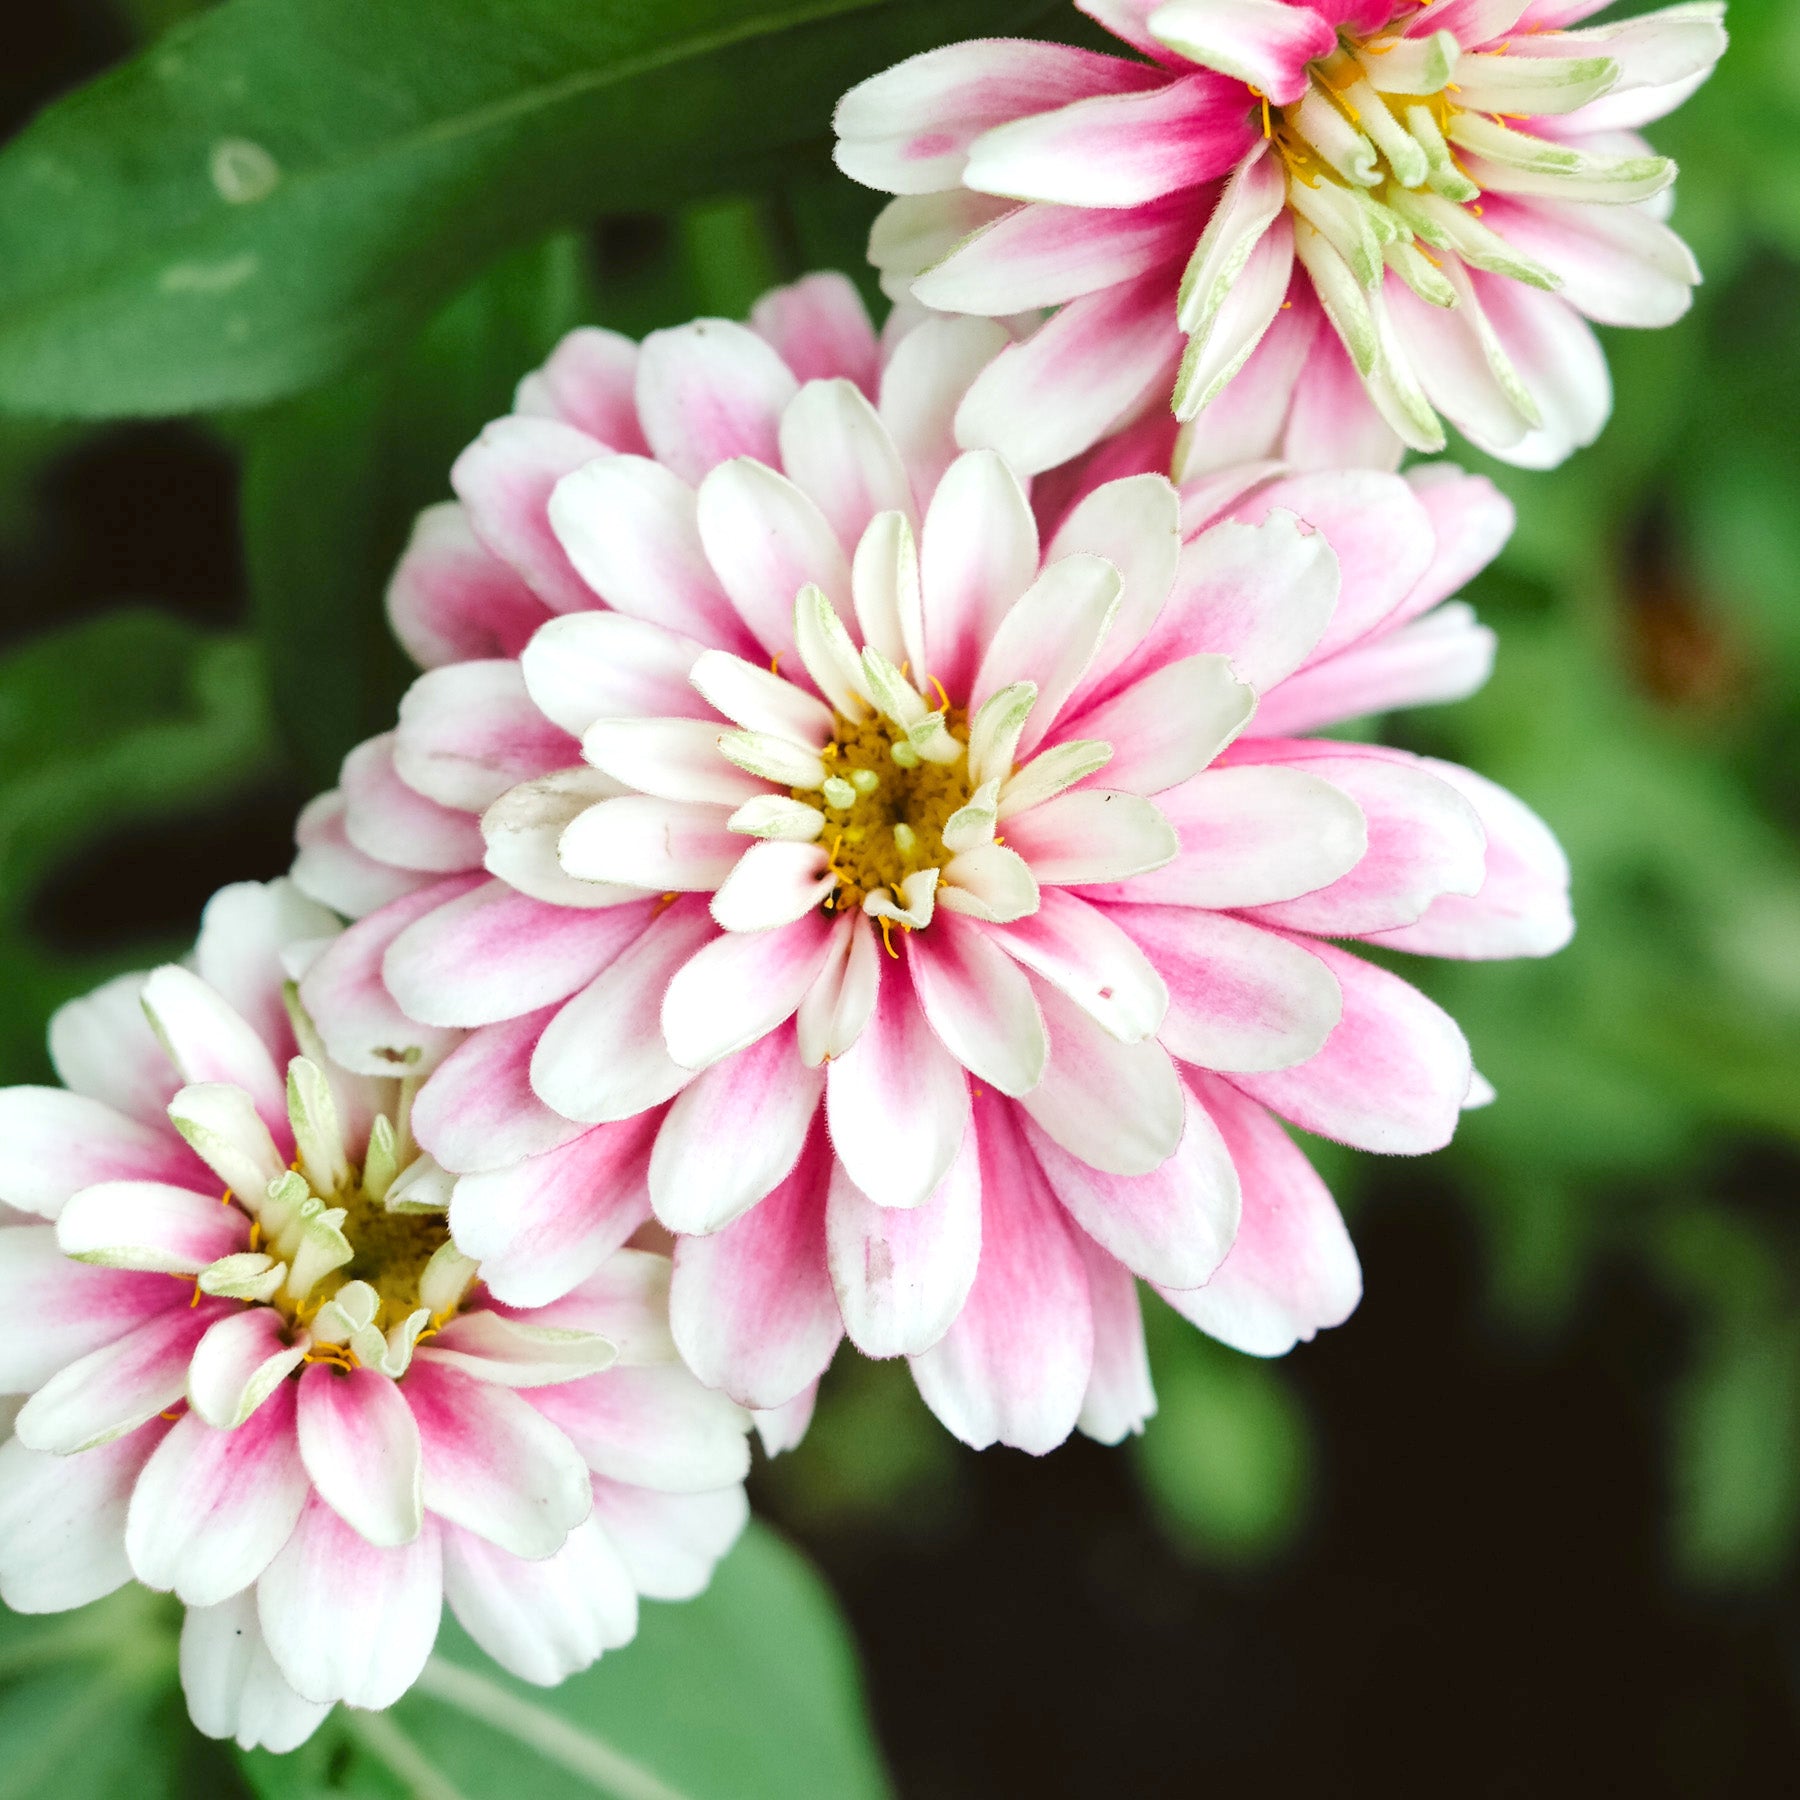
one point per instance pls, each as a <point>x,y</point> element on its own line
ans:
<point>1482,1607</point>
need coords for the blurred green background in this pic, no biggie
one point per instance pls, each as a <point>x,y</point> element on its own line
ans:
<point>1526,1524</point>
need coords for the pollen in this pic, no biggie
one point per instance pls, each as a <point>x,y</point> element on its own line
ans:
<point>885,806</point>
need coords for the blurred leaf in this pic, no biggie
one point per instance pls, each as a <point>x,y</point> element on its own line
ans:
<point>89,1707</point>
<point>130,717</point>
<point>1226,1461</point>
<point>278,188</point>
<point>748,1693</point>
<point>333,482</point>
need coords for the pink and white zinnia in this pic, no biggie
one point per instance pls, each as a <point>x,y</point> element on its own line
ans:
<point>294,1406</point>
<point>901,907</point>
<point>1422,203</point>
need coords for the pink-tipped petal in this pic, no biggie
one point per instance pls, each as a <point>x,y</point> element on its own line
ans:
<point>820,329</point>
<point>53,1144</point>
<point>979,1002</point>
<point>540,1226</point>
<point>390,822</point>
<point>478,1111</point>
<point>710,391</point>
<point>1293,1270</point>
<point>752,1306</point>
<point>213,1507</point>
<point>589,381</point>
<point>1013,1367</point>
<point>654,1427</point>
<point>361,1448</point>
<point>1392,1075</point>
<point>1119,1398</point>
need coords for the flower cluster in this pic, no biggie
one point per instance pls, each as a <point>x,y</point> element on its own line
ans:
<point>1416,203</point>
<point>858,860</point>
<point>259,1375</point>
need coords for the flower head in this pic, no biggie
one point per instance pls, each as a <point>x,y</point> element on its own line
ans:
<point>887,888</point>
<point>1425,200</point>
<point>259,1375</point>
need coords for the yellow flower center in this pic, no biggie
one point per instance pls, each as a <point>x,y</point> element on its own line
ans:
<point>885,806</point>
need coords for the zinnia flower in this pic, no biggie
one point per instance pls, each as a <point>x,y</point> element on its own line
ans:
<point>1453,187</point>
<point>260,1376</point>
<point>896,904</point>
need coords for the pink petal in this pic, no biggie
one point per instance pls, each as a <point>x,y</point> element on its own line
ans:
<point>1175,1223</point>
<point>1245,422</point>
<point>752,1306</point>
<point>469,731</point>
<point>494,1464</point>
<point>1093,835</point>
<point>654,1427</point>
<point>979,1002</point>
<point>345,1620</point>
<point>602,1057</point>
<point>1391,1077</point>
<point>360,1021</point>
<point>233,1688</point>
<point>607,665</point>
<point>734,1135</point>
<point>740,986</point>
<point>213,1507</point>
<point>149,1225</point>
<point>669,1542</point>
<point>493,953</point>
<point>1470,522</point>
<point>1264,43</point>
<point>58,1311</point>
<point>897,1102</point>
<point>540,1226</point>
<point>54,1143</point>
<point>505,479</point>
<point>932,367</point>
<point>820,328</point>
<point>977,554</point>
<point>1292,1270</point>
<point>1377,529</point>
<point>662,846</point>
<point>767,540</point>
<point>246,930</point>
<point>902,1273</point>
<point>542,1621</point>
<point>121,1385</point>
<point>208,1040</point>
<point>1240,997</point>
<point>1043,255</point>
<point>334,872</point>
<point>1076,378</point>
<point>1262,595</point>
<point>1014,1365</point>
<point>1522,907</point>
<point>1333,423</point>
<point>362,1451</point>
<point>710,391</point>
<point>590,382</point>
<point>839,454</point>
<point>628,525</point>
<point>1425,839</point>
<point>102,1047</point>
<point>1444,656</point>
<point>241,1361</point>
<point>1117,150</point>
<point>1119,1396</point>
<point>453,600</point>
<point>908,129</point>
<point>477,1109</point>
<point>1084,953</point>
<point>1249,837</point>
<point>1170,725</point>
<point>62,1521</point>
<point>390,822</point>
<point>1116,1106</point>
<point>773,884</point>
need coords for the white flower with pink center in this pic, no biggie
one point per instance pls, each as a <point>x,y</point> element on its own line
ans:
<point>257,1373</point>
<point>900,896</point>
<point>1421,202</point>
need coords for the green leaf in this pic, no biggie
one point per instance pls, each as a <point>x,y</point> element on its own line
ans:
<point>334,480</point>
<point>280,187</point>
<point>748,1693</point>
<point>128,718</point>
<point>1226,1461</point>
<point>89,1707</point>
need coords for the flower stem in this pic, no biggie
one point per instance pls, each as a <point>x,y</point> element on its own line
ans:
<point>385,1741</point>
<point>538,1729</point>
